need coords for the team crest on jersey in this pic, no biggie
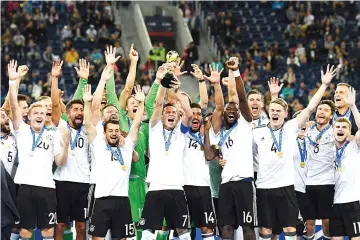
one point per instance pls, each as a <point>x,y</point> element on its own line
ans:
<point>49,138</point>
<point>142,221</point>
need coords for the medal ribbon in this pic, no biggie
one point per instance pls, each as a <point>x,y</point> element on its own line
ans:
<point>259,122</point>
<point>318,137</point>
<point>35,142</point>
<point>167,141</point>
<point>339,153</point>
<point>277,144</point>
<point>117,154</point>
<point>73,143</point>
<point>197,138</point>
<point>303,153</point>
<point>223,137</point>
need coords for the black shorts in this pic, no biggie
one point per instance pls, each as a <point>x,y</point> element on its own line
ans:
<point>90,200</point>
<point>320,201</point>
<point>36,206</point>
<point>302,203</point>
<point>345,220</point>
<point>216,205</point>
<point>277,207</point>
<point>200,205</point>
<point>112,213</point>
<point>168,204</point>
<point>236,204</point>
<point>71,201</point>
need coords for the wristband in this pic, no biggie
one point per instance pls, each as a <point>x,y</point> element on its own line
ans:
<point>236,73</point>
<point>201,80</point>
<point>12,82</point>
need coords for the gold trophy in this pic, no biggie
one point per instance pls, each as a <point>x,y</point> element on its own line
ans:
<point>172,60</point>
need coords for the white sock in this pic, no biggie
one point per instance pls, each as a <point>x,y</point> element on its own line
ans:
<point>108,235</point>
<point>208,236</point>
<point>239,233</point>
<point>185,236</point>
<point>14,236</point>
<point>291,236</point>
<point>48,238</point>
<point>147,235</point>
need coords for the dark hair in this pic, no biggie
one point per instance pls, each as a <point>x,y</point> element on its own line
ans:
<point>22,97</point>
<point>110,121</point>
<point>254,91</point>
<point>74,101</point>
<point>168,105</point>
<point>330,103</point>
<point>108,105</point>
<point>195,105</point>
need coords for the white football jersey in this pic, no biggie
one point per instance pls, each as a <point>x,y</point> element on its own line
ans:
<point>237,151</point>
<point>347,181</point>
<point>110,178</point>
<point>77,167</point>
<point>275,171</point>
<point>300,172</point>
<point>257,123</point>
<point>36,170</point>
<point>321,158</point>
<point>195,166</point>
<point>166,169</point>
<point>8,154</point>
<point>99,133</point>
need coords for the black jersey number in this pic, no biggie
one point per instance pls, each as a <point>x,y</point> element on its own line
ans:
<point>273,148</point>
<point>229,142</point>
<point>193,144</point>
<point>316,148</point>
<point>10,157</point>
<point>43,145</point>
<point>80,143</point>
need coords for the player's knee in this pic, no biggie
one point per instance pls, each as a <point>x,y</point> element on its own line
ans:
<point>206,230</point>
<point>310,227</point>
<point>249,233</point>
<point>47,232</point>
<point>60,227</point>
<point>25,233</point>
<point>227,232</point>
<point>80,227</point>
<point>265,232</point>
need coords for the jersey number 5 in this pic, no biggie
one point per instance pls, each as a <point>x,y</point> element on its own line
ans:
<point>9,158</point>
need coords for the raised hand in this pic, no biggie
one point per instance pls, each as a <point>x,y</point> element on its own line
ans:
<point>351,97</point>
<point>84,69</point>
<point>161,72</point>
<point>175,84</point>
<point>56,68</point>
<point>106,73</point>
<point>23,70</point>
<point>197,72</point>
<point>232,63</point>
<point>110,55</point>
<point>214,74</point>
<point>225,81</point>
<point>330,73</point>
<point>177,69</point>
<point>133,54</point>
<point>13,74</point>
<point>139,94</point>
<point>87,97</point>
<point>274,86</point>
<point>65,134</point>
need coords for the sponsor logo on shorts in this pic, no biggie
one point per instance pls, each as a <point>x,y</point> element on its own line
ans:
<point>92,228</point>
<point>142,221</point>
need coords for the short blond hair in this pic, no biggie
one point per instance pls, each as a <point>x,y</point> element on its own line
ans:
<point>34,105</point>
<point>281,102</point>
<point>344,84</point>
<point>342,120</point>
<point>43,98</point>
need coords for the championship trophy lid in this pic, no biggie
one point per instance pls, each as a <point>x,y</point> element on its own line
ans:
<point>172,59</point>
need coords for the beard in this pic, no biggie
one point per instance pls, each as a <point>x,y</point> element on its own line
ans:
<point>77,125</point>
<point>5,129</point>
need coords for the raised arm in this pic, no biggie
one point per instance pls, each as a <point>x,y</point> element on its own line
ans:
<point>90,128</point>
<point>110,85</point>
<point>351,100</point>
<point>214,78</point>
<point>61,159</point>
<point>14,105</point>
<point>209,150</point>
<point>274,87</point>
<point>134,130</point>
<point>151,97</point>
<point>83,74</point>
<point>231,85</point>
<point>96,102</point>
<point>130,80</point>
<point>55,98</point>
<point>304,116</point>
<point>185,106</point>
<point>233,66</point>
<point>156,116</point>
<point>202,86</point>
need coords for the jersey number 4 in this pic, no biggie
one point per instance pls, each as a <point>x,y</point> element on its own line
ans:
<point>273,148</point>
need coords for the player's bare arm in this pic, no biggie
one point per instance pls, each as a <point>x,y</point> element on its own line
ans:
<point>202,86</point>
<point>135,156</point>
<point>55,98</point>
<point>231,85</point>
<point>90,128</point>
<point>98,95</point>
<point>304,116</point>
<point>185,106</point>
<point>214,78</point>
<point>14,105</point>
<point>233,66</point>
<point>134,130</point>
<point>130,80</point>
<point>155,118</point>
<point>351,100</point>
<point>209,150</point>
